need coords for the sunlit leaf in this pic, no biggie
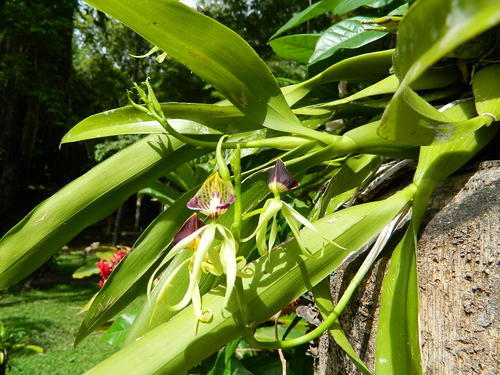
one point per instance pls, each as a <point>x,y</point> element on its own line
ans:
<point>298,47</point>
<point>348,33</point>
<point>439,161</point>
<point>369,66</point>
<point>310,12</point>
<point>441,26</point>
<point>397,344</point>
<point>115,335</point>
<point>87,270</point>
<point>338,7</point>
<point>213,52</point>
<point>486,88</point>
<point>186,118</point>
<point>84,201</point>
<point>432,79</point>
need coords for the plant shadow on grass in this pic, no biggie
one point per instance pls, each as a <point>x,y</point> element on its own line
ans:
<point>48,315</point>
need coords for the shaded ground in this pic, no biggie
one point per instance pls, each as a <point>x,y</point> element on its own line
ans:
<point>49,316</point>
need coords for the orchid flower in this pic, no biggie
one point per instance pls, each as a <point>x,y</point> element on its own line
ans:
<point>214,197</point>
<point>214,246</point>
<point>280,180</point>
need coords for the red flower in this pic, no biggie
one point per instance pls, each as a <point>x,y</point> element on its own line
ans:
<point>106,268</point>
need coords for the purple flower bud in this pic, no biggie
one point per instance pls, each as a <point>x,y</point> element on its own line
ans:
<point>190,226</point>
<point>280,180</point>
<point>214,197</point>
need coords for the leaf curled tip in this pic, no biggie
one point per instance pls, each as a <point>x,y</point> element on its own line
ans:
<point>147,54</point>
<point>221,163</point>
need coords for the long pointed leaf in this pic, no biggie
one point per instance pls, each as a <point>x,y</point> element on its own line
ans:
<point>214,52</point>
<point>184,117</point>
<point>84,201</point>
<point>398,347</point>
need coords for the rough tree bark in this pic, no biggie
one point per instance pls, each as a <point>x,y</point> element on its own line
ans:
<point>459,299</point>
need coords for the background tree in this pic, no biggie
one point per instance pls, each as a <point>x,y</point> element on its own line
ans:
<point>35,69</point>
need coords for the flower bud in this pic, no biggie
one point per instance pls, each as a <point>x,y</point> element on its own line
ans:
<point>280,180</point>
<point>190,226</point>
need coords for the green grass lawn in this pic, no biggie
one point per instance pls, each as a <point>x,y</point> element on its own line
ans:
<point>50,319</point>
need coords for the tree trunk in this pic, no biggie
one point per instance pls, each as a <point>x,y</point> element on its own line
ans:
<point>35,69</point>
<point>457,260</point>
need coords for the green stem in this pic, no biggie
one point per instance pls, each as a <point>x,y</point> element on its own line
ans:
<point>253,213</point>
<point>236,164</point>
<point>346,296</point>
<point>248,333</point>
<point>285,142</point>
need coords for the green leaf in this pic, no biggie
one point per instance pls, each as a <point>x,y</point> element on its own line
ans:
<point>213,52</point>
<point>432,79</point>
<point>84,201</point>
<point>310,12</point>
<point>186,118</point>
<point>115,335</point>
<point>35,348</point>
<point>161,191</point>
<point>345,6</point>
<point>369,142</point>
<point>105,252</point>
<point>422,124</point>
<point>441,26</point>
<point>341,340</point>
<point>267,333</point>
<point>437,162</point>
<point>349,33</point>
<point>338,7</point>
<point>291,275</point>
<point>298,47</point>
<point>486,88</point>
<point>378,3</point>
<point>397,343</point>
<point>369,66</point>
<point>87,270</point>
<point>323,300</point>
<point>350,177</point>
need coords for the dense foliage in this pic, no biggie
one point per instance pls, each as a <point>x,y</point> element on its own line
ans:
<point>269,163</point>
